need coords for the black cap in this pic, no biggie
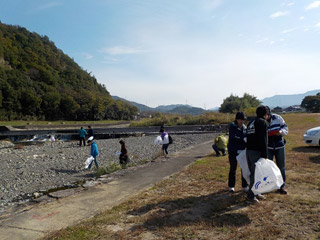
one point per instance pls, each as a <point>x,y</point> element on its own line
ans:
<point>241,116</point>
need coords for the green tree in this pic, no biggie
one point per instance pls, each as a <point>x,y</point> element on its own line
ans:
<point>311,103</point>
<point>68,107</point>
<point>50,105</point>
<point>30,103</point>
<point>233,103</point>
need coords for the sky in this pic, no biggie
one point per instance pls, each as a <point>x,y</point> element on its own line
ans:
<point>195,52</point>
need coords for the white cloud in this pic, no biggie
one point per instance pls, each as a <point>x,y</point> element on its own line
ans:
<point>318,24</point>
<point>121,50</point>
<point>290,4</point>
<point>262,40</point>
<point>301,18</point>
<point>49,5</point>
<point>278,14</point>
<point>288,30</point>
<point>212,4</point>
<point>313,5</point>
<point>87,56</point>
<point>201,76</point>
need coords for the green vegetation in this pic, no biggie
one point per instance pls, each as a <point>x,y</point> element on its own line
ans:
<point>173,119</point>
<point>311,103</point>
<point>233,103</point>
<point>39,82</point>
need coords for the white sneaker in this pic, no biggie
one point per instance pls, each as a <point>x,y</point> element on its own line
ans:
<point>261,197</point>
<point>245,189</point>
<point>231,190</point>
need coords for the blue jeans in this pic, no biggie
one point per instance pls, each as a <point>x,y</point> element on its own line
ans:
<point>218,150</point>
<point>95,162</point>
<point>252,157</point>
<point>280,157</point>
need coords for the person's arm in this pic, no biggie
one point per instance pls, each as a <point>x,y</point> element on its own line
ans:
<point>283,127</point>
<point>265,139</point>
<point>232,132</point>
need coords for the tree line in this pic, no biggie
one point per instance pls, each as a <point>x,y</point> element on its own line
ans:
<point>39,82</point>
<point>248,103</point>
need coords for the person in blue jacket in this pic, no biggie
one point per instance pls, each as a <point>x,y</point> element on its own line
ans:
<point>94,151</point>
<point>82,136</point>
<point>237,135</point>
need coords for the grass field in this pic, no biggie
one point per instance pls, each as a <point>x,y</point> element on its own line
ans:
<point>195,204</point>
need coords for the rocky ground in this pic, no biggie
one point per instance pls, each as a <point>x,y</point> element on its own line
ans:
<point>36,169</point>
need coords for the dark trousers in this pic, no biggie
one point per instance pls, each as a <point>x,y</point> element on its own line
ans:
<point>82,139</point>
<point>280,157</point>
<point>252,157</point>
<point>218,150</point>
<point>165,148</point>
<point>233,169</point>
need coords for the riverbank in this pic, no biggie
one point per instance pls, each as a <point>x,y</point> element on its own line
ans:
<point>32,170</point>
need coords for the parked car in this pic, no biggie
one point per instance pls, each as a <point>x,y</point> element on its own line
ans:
<point>312,136</point>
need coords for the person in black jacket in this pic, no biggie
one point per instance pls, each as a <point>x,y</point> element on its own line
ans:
<point>237,135</point>
<point>124,159</point>
<point>90,131</point>
<point>257,145</point>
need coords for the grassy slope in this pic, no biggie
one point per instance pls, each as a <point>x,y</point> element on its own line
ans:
<point>194,204</point>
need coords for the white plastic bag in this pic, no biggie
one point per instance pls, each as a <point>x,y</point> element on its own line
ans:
<point>118,153</point>
<point>267,177</point>
<point>242,160</point>
<point>158,140</point>
<point>88,161</point>
<point>165,139</point>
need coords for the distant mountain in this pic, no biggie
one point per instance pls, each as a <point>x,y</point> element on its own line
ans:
<point>287,100</point>
<point>168,108</point>
<point>141,107</point>
<point>173,108</point>
<point>215,109</point>
<point>187,110</point>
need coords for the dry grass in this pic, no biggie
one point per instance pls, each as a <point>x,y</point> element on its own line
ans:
<point>194,204</point>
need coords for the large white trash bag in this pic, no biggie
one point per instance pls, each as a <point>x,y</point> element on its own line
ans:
<point>88,161</point>
<point>158,140</point>
<point>242,160</point>
<point>267,177</point>
<point>165,139</point>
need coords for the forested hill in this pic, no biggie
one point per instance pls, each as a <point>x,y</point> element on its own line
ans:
<point>39,81</point>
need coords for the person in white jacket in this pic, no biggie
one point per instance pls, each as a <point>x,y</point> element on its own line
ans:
<point>277,129</point>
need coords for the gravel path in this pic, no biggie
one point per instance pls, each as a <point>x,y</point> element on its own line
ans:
<point>39,168</point>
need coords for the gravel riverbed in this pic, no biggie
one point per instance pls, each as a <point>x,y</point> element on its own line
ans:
<point>38,168</point>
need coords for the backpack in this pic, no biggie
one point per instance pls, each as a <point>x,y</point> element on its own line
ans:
<point>170,139</point>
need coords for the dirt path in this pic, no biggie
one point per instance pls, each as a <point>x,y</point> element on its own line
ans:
<point>37,220</point>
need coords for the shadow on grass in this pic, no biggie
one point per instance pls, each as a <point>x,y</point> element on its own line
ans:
<point>307,149</point>
<point>218,209</point>
<point>315,159</point>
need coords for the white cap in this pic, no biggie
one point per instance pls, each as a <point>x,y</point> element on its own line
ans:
<point>90,139</point>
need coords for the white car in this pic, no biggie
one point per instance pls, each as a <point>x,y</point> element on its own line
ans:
<point>312,136</point>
